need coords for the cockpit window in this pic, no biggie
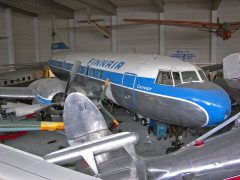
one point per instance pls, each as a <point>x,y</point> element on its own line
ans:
<point>189,76</point>
<point>176,77</point>
<point>164,77</point>
<point>202,75</point>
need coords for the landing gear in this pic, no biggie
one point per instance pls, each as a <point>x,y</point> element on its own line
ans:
<point>43,116</point>
<point>144,121</point>
<point>177,132</point>
<point>135,118</point>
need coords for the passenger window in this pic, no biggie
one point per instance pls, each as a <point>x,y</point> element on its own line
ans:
<point>80,69</point>
<point>92,72</point>
<point>5,82</point>
<point>86,70</point>
<point>164,77</point>
<point>100,74</point>
<point>176,77</point>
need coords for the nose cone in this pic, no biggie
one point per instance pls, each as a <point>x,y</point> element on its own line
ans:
<point>218,107</point>
<point>216,102</point>
<point>213,100</point>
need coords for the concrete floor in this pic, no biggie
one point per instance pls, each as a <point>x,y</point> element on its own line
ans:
<point>44,142</point>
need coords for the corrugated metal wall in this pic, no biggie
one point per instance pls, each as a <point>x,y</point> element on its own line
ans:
<point>145,39</point>
<point>23,33</point>
<point>3,42</point>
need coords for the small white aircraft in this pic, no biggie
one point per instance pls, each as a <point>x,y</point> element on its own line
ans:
<point>159,87</point>
<point>231,76</point>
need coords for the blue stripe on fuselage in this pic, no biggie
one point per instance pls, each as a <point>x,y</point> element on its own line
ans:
<point>41,100</point>
<point>207,99</point>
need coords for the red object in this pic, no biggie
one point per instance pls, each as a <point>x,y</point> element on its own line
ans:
<point>234,178</point>
<point>29,115</point>
<point>12,136</point>
<point>199,143</point>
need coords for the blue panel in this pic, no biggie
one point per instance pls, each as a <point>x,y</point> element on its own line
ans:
<point>128,80</point>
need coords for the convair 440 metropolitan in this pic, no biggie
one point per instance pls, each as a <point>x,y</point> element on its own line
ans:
<point>159,87</point>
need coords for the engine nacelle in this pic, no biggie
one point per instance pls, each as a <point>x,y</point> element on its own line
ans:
<point>48,91</point>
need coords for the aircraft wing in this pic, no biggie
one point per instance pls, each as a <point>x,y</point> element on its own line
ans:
<point>190,24</point>
<point>213,67</point>
<point>231,87</point>
<point>17,164</point>
<point>16,93</point>
<point>235,26</point>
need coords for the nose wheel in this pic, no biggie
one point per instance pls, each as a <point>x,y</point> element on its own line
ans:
<point>144,121</point>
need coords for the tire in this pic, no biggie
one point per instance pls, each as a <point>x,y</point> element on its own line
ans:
<point>135,118</point>
<point>170,150</point>
<point>143,122</point>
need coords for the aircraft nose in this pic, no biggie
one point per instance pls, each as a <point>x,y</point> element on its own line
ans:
<point>218,107</point>
<point>214,102</point>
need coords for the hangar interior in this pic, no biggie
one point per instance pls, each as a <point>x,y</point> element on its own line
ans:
<point>28,24</point>
<point>123,147</point>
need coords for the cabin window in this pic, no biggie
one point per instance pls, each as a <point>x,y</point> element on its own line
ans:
<point>189,76</point>
<point>92,72</point>
<point>86,70</point>
<point>12,81</point>
<point>29,77</point>
<point>202,75</point>
<point>164,77</point>
<point>23,78</point>
<point>5,82</point>
<point>176,77</point>
<point>80,69</point>
<point>100,74</point>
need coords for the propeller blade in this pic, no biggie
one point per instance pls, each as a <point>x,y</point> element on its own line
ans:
<point>72,75</point>
<point>29,125</point>
<point>115,122</point>
<point>104,91</point>
<point>28,109</point>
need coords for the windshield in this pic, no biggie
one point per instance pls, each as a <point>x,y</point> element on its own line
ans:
<point>203,76</point>
<point>189,76</point>
<point>176,77</point>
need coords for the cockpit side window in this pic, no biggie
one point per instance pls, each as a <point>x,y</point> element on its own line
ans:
<point>189,76</point>
<point>164,77</point>
<point>202,75</point>
<point>176,77</point>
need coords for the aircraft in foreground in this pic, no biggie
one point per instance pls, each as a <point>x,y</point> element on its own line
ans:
<point>97,152</point>
<point>223,30</point>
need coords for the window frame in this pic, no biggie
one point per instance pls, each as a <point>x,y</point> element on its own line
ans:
<point>199,79</point>
<point>169,71</point>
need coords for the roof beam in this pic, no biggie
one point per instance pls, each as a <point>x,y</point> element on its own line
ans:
<point>159,5</point>
<point>215,4</point>
<point>39,7</point>
<point>103,5</point>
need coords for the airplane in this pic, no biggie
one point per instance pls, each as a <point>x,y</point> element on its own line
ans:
<point>231,75</point>
<point>151,86</point>
<point>2,38</point>
<point>223,30</point>
<point>97,152</point>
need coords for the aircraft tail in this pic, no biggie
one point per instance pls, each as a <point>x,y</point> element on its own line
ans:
<point>59,46</point>
<point>231,67</point>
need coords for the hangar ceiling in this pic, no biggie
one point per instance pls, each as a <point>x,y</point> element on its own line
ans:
<point>109,6</point>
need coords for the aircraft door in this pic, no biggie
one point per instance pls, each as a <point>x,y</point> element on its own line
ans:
<point>128,82</point>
